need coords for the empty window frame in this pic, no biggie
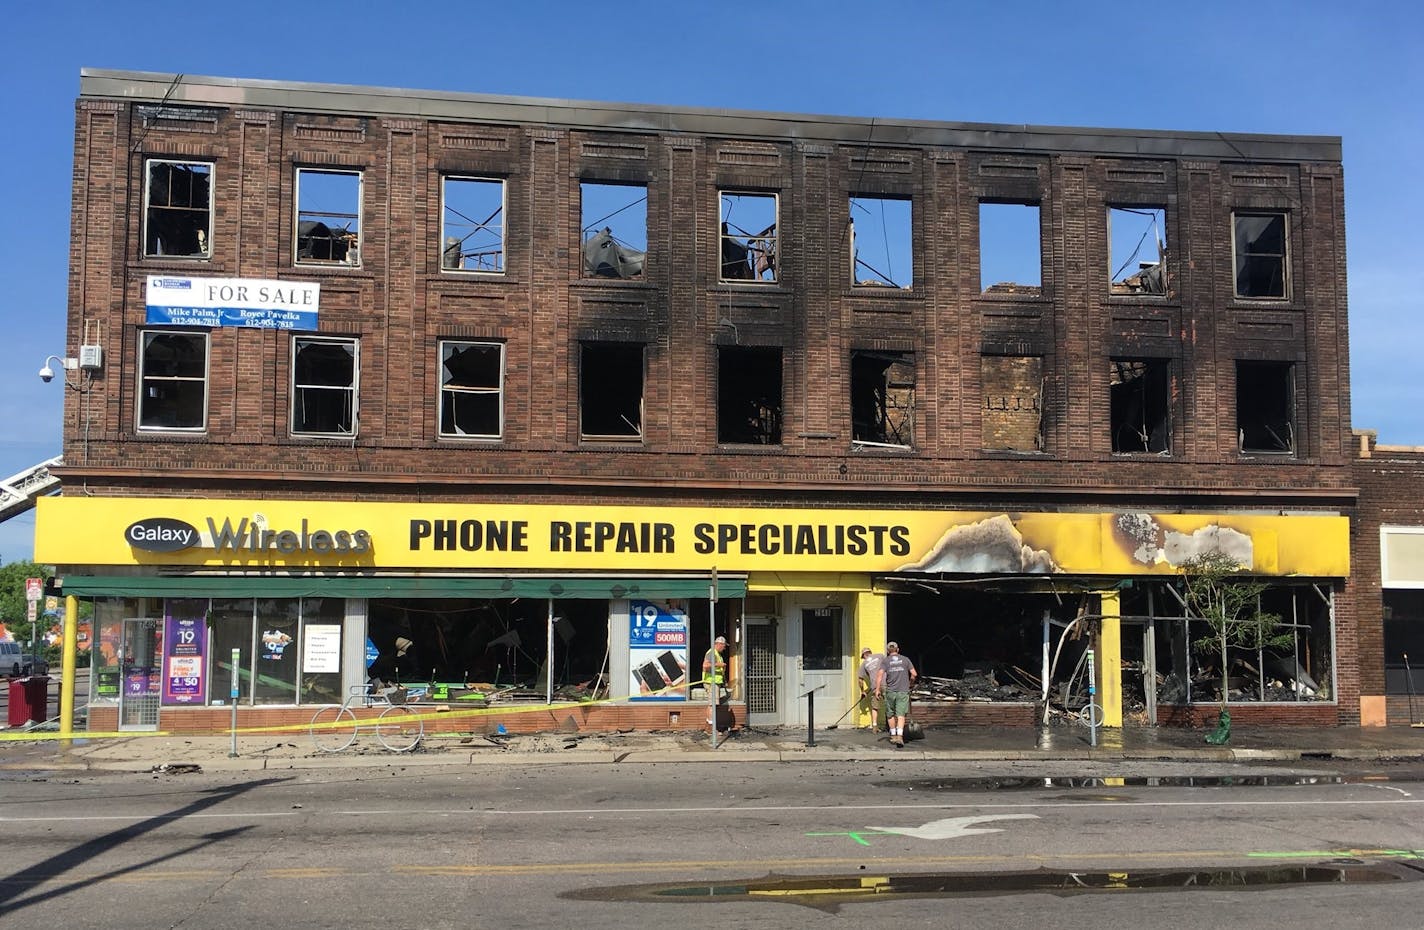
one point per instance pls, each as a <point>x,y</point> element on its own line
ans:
<point>1139,405</point>
<point>324,375</point>
<point>1259,244</point>
<point>611,391</point>
<point>472,389</point>
<point>749,395</point>
<point>1010,248</point>
<point>749,236</point>
<point>1265,406</point>
<point>881,242</point>
<point>472,227</point>
<point>614,229</point>
<point>882,399</point>
<point>173,381</point>
<point>1013,403</point>
<point>328,217</point>
<point>178,211</point>
<point>1137,251</point>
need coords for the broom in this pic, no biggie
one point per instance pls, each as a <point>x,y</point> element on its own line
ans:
<point>1409,680</point>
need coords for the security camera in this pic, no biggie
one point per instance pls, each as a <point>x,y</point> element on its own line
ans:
<point>46,374</point>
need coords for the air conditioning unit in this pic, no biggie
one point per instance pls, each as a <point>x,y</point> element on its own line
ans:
<point>91,357</point>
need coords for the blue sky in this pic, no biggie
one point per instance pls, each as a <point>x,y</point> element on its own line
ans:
<point>1347,69</point>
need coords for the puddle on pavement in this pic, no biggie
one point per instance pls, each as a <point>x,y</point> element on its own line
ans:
<point>830,891</point>
<point>1027,783</point>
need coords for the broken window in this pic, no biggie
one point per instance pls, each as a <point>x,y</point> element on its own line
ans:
<point>749,236</point>
<point>471,647</point>
<point>1010,249</point>
<point>472,225</point>
<point>614,229</point>
<point>178,217</point>
<point>328,217</point>
<point>881,243</point>
<point>1402,611</point>
<point>749,395</point>
<point>882,398</point>
<point>1139,392</point>
<point>1265,406</point>
<point>324,386</point>
<point>611,391</point>
<point>1260,247</point>
<point>173,381</point>
<point>1137,251</point>
<point>472,389</point>
<point>1013,402</point>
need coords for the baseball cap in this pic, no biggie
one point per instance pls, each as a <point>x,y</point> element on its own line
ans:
<point>720,639</point>
<point>892,645</point>
<point>866,651</point>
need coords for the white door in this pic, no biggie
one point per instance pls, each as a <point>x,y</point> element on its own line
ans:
<point>817,662</point>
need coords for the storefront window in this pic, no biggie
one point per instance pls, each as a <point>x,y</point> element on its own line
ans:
<point>322,618</point>
<point>231,622</point>
<point>275,672</point>
<point>109,614</point>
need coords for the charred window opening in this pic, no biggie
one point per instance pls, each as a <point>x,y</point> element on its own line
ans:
<point>882,399</point>
<point>324,386</point>
<point>611,391</point>
<point>1137,247</point>
<point>1010,249</point>
<point>1292,661</point>
<point>1403,616</point>
<point>614,229</point>
<point>749,395</point>
<point>749,236</point>
<point>494,646</point>
<point>1013,402</point>
<point>472,225</point>
<point>978,646</point>
<point>178,220</point>
<point>173,388</point>
<point>881,243</point>
<point>1139,393</point>
<point>472,389</point>
<point>1265,406</point>
<point>1260,247</point>
<point>328,217</point>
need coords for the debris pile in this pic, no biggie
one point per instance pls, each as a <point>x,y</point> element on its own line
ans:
<point>981,685</point>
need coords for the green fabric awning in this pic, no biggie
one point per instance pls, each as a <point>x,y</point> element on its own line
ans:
<point>406,587</point>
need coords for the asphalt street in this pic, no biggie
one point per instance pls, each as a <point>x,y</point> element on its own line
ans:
<point>598,845</point>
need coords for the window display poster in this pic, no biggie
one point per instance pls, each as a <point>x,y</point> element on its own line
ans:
<point>183,642</point>
<point>657,652</point>
<point>321,648</point>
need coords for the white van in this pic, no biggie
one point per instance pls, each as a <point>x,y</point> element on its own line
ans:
<point>12,660</point>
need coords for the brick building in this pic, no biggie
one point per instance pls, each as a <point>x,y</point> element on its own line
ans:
<point>491,391</point>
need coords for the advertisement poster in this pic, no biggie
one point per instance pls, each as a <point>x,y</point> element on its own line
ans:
<point>657,652</point>
<point>184,639</point>
<point>321,648</point>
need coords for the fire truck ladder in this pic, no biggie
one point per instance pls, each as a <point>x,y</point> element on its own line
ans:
<point>19,492</point>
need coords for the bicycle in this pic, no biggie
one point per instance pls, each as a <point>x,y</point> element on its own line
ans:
<point>398,727</point>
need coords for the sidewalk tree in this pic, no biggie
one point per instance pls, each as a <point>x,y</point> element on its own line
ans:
<point>14,607</point>
<point>1230,607</point>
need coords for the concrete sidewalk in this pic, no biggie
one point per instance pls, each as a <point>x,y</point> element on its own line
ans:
<point>977,744</point>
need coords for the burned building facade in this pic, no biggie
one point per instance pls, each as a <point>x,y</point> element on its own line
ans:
<point>531,399</point>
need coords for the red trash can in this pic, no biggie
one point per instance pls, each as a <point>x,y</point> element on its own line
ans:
<point>29,700</point>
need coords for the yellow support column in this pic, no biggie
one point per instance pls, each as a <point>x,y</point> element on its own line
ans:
<point>1110,659</point>
<point>870,630</point>
<point>71,653</point>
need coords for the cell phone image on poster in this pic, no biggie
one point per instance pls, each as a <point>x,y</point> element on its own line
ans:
<point>671,667</point>
<point>652,677</point>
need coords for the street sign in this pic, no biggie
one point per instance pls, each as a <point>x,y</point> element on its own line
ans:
<point>33,610</point>
<point>34,589</point>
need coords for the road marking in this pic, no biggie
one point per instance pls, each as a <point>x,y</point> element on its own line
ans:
<point>952,827</point>
<point>857,835</point>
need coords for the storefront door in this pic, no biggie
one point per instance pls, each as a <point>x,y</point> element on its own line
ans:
<point>763,672</point>
<point>140,671</point>
<point>816,655</point>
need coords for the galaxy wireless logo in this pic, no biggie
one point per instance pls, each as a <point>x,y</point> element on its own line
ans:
<point>161,534</point>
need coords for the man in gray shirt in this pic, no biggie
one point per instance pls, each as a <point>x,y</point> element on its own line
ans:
<point>897,674</point>
<point>869,671</point>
